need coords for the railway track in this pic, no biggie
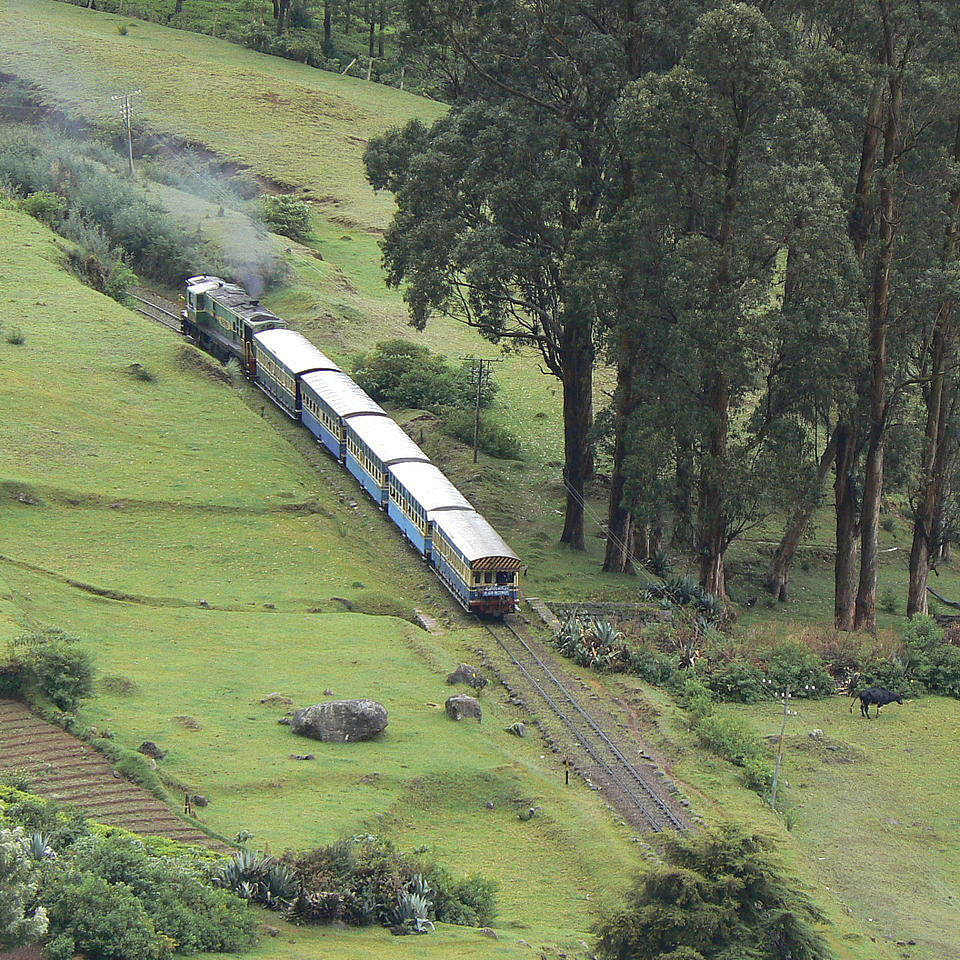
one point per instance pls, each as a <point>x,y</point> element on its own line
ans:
<point>633,788</point>
<point>163,311</point>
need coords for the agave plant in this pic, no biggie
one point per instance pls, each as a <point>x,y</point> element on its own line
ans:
<point>413,907</point>
<point>570,637</point>
<point>252,876</point>
<point>38,847</point>
<point>659,563</point>
<point>604,632</point>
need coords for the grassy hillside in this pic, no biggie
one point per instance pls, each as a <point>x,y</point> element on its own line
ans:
<point>172,491</point>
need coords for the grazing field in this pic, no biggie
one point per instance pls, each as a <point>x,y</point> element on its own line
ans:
<point>124,503</point>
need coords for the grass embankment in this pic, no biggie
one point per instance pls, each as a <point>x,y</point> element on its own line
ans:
<point>172,491</point>
<point>308,128</point>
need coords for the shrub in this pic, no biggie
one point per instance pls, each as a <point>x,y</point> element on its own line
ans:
<point>45,206</point>
<point>104,921</point>
<point>471,902</point>
<point>21,922</point>
<point>689,908</point>
<point>61,826</point>
<point>494,439</point>
<point>14,336</point>
<point>287,215</point>
<point>654,667</point>
<point>55,666</point>
<point>737,681</point>
<point>731,738</point>
<point>795,666</point>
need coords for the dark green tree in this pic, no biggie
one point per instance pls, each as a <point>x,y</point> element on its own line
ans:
<point>720,895</point>
<point>733,252</point>
<point>493,198</point>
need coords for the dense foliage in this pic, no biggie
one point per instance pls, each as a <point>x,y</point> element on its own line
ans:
<point>48,663</point>
<point>113,896</point>
<point>20,920</point>
<point>287,215</point>
<point>82,194</point>
<point>719,894</point>
<point>364,880</point>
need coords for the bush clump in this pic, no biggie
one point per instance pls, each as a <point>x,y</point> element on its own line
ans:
<point>287,215</point>
<point>689,908</point>
<point>51,664</point>
<point>494,438</point>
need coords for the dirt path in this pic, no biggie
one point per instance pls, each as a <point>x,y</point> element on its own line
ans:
<point>65,769</point>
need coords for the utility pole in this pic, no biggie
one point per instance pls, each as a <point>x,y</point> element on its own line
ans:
<point>126,111</point>
<point>480,374</point>
<point>784,696</point>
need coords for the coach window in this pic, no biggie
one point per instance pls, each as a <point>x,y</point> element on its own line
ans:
<point>488,578</point>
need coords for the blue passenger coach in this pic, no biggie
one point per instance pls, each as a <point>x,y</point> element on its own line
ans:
<point>418,491</point>
<point>282,357</point>
<point>373,444</point>
<point>330,398</point>
<point>475,562</point>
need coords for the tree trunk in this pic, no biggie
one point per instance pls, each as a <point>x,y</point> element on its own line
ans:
<point>327,28</point>
<point>178,8</point>
<point>866,607</point>
<point>577,380</point>
<point>845,564</point>
<point>276,9</point>
<point>282,17</point>
<point>712,519</point>
<point>619,554</point>
<point>940,402</point>
<point>383,23</point>
<point>683,536</point>
<point>778,576</point>
<point>372,23</point>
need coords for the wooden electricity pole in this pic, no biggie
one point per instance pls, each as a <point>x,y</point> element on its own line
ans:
<point>478,363</point>
<point>125,112</point>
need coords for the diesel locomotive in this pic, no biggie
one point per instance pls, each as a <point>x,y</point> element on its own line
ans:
<point>471,559</point>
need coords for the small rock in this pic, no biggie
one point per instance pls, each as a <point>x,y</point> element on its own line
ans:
<point>528,814</point>
<point>269,606</point>
<point>204,603</point>
<point>271,931</point>
<point>816,734</point>
<point>149,749</point>
<point>518,729</point>
<point>302,756</point>
<point>489,804</point>
<point>487,932</point>
<point>901,943</point>
<point>199,800</point>
<point>286,721</point>
<point>523,943</point>
<point>346,603</point>
<point>468,675</point>
<point>328,692</point>
<point>461,706</point>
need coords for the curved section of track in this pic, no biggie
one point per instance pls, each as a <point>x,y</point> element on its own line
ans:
<point>635,792</point>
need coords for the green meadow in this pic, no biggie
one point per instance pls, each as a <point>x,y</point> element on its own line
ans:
<point>189,488</point>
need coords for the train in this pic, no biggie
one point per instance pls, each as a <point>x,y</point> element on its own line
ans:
<point>467,554</point>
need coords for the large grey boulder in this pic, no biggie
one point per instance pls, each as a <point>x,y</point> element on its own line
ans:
<point>469,675</point>
<point>340,721</point>
<point>462,707</point>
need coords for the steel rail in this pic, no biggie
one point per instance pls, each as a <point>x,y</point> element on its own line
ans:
<point>640,801</point>
<point>159,309</point>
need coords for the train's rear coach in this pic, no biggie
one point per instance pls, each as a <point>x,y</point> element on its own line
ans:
<point>475,562</point>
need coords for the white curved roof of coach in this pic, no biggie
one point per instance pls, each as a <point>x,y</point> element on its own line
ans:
<point>344,397</point>
<point>293,350</point>
<point>473,536</point>
<point>428,486</point>
<point>385,438</point>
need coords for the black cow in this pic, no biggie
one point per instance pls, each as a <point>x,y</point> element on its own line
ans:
<point>881,696</point>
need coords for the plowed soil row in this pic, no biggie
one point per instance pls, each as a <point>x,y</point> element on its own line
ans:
<point>65,769</point>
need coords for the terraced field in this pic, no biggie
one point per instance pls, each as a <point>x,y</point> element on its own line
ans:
<point>65,769</point>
